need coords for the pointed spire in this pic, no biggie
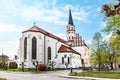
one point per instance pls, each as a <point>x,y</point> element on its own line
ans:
<point>70,17</point>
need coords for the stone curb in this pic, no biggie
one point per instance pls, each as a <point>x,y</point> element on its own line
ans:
<point>73,77</point>
<point>87,78</point>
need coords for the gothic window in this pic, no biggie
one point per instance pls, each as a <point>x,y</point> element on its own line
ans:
<point>25,48</point>
<point>49,53</point>
<point>68,60</point>
<point>62,60</point>
<point>34,48</point>
<point>82,61</point>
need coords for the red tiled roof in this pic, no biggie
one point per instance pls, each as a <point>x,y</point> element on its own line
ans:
<point>37,29</point>
<point>64,48</point>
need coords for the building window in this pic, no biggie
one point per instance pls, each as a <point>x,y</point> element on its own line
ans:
<point>82,61</point>
<point>68,60</point>
<point>25,48</point>
<point>49,53</point>
<point>71,28</point>
<point>65,56</point>
<point>62,60</point>
<point>72,37</point>
<point>34,48</point>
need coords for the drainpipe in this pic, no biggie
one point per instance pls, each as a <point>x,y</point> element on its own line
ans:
<point>44,48</point>
<point>56,48</point>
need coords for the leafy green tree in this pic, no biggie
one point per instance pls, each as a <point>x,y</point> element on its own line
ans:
<point>113,26</point>
<point>100,51</point>
<point>4,58</point>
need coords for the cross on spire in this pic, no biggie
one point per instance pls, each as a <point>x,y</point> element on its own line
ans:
<point>34,23</point>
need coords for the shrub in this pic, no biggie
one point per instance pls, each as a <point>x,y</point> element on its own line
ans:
<point>12,65</point>
<point>41,67</point>
<point>3,66</point>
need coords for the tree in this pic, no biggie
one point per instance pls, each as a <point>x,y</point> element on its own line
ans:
<point>112,14</point>
<point>3,61</point>
<point>100,50</point>
<point>96,47</point>
<point>4,58</point>
<point>52,64</point>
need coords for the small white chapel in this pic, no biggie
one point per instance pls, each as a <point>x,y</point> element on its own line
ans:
<point>40,45</point>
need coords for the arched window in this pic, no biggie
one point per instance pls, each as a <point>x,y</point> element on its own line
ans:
<point>71,28</point>
<point>82,61</point>
<point>34,48</point>
<point>68,60</point>
<point>72,37</point>
<point>62,60</point>
<point>69,37</point>
<point>25,48</point>
<point>49,53</point>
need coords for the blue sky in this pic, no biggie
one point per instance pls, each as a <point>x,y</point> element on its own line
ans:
<point>51,15</point>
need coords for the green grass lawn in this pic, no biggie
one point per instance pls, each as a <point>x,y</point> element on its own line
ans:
<point>98,74</point>
<point>3,79</point>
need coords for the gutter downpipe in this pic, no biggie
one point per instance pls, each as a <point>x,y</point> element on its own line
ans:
<point>56,48</point>
<point>44,48</point>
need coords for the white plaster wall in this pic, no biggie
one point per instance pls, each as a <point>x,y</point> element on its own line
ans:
<point>85,54</point>
<point>40,51</point>
<point>49,42</point>
<point>75,61</point>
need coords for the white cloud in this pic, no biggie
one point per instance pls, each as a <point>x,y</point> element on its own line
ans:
<point>98,9</point>
<point>10,51</point>
<point>103,24</point>
<point>47,15</point>
<point>53,2</point>
<point>61,35</point>
<point>78,12</point>
<point>107,37</point>
<point>88,42</point>
<point>10,28</point>
<point>53,15</point>
<point>81,15</point>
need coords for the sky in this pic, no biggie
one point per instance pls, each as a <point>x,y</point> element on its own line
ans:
<point>17,16</point>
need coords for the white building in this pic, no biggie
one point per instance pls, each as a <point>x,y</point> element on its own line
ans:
<point>39,45</point>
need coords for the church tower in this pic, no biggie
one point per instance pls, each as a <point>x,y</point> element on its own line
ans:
<point>70,28</point>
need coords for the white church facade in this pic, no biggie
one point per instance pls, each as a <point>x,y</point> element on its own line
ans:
<point>39,45</point>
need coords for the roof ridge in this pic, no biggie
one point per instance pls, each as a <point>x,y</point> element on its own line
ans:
<point>33,29</point>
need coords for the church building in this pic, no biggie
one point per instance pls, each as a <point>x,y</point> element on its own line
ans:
<point>40,45</point>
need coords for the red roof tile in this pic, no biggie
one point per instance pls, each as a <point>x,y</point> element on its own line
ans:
<point>64,48</point>
<point>37,29</point>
